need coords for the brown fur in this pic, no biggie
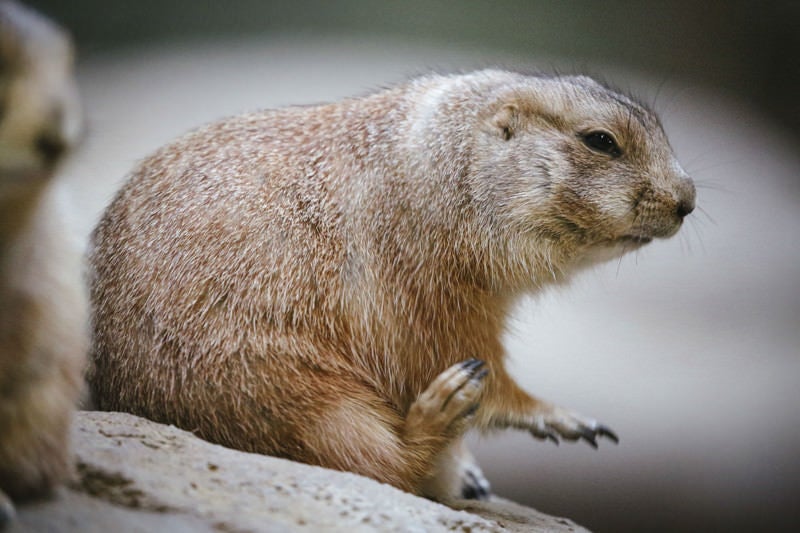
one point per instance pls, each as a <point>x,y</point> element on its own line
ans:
<point>43,311</point>
<point>292,282</point>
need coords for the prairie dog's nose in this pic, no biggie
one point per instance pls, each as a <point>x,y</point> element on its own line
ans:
<point>50,146</point>
<point>55,137</point>
<point>686,196</point>
<point>684,208</point>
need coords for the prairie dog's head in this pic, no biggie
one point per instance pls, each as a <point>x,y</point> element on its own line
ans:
<point>569,160</point>
<point>40,114</point>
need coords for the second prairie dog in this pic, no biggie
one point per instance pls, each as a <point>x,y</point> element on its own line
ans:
<point>330,283</point>
<point>43,304</point>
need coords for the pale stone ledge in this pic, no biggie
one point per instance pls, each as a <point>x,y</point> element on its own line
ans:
<point>136,475</point>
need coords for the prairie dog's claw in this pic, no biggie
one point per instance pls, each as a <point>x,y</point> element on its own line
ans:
<point>604,431</point>
<point>450,400</point>
<point>475,486</point>
<point>554,422</point>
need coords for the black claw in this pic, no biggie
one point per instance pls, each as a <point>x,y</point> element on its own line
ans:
<point>472,364</point>
<point>472,409</point>
<point>552,437</point>
<point>473,490</point>
<point>480,375</point>
<point>483,494</point>
<point>604,431</point>
<point>589,436</point>
<point>468,492</point>
<point>591,440</point>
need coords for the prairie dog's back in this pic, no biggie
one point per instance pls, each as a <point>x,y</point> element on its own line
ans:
<point>301,222</point>
<point>263,240</point>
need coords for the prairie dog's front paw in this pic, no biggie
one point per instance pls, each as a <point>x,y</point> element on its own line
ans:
<point>551,422</point>
<point>449,400</point>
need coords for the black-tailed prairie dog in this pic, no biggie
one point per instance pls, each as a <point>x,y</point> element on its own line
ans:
<point>330,283</point>
<point>43,305</point>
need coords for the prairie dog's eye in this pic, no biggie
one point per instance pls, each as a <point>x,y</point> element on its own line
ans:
<point>600,141</point>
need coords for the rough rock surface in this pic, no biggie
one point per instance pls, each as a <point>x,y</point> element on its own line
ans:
<point>138,476</point>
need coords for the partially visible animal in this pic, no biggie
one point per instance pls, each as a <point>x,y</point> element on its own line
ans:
<point>43,311</point>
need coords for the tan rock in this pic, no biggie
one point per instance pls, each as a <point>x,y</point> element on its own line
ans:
<point>136,475</point>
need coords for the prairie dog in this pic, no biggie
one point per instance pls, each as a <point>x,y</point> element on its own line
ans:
<point>43,306</point>
<point>330,283</point>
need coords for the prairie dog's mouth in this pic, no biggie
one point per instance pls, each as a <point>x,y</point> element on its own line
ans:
<point>635,239</point>
<point>16,176</point>
<point>15,183</point>
<point>642,235</point>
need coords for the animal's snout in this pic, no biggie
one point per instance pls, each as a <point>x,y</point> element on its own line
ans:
<point>685,207</point>
<point>685,197</point>
<point>58,134</point>
<point>50,146</point>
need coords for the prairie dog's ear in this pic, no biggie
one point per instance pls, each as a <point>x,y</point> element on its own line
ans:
<point>506,121</point>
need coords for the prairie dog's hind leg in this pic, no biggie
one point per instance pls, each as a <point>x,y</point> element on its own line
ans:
<point>456,475</point>
<point>359,432</point>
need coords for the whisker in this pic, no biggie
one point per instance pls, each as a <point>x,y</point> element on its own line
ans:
<point>703,158</point>
<point>654,102</point>
<point>686,244</point>
<point>706,214</point>
<point>619,261</point>
<point>711,186</point>
<point>698,221</point>
<point>663,106</point>
<point>715,165</point>
<point>696,229</point>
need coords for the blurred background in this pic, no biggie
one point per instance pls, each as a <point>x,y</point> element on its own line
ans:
<point>689,349</point>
